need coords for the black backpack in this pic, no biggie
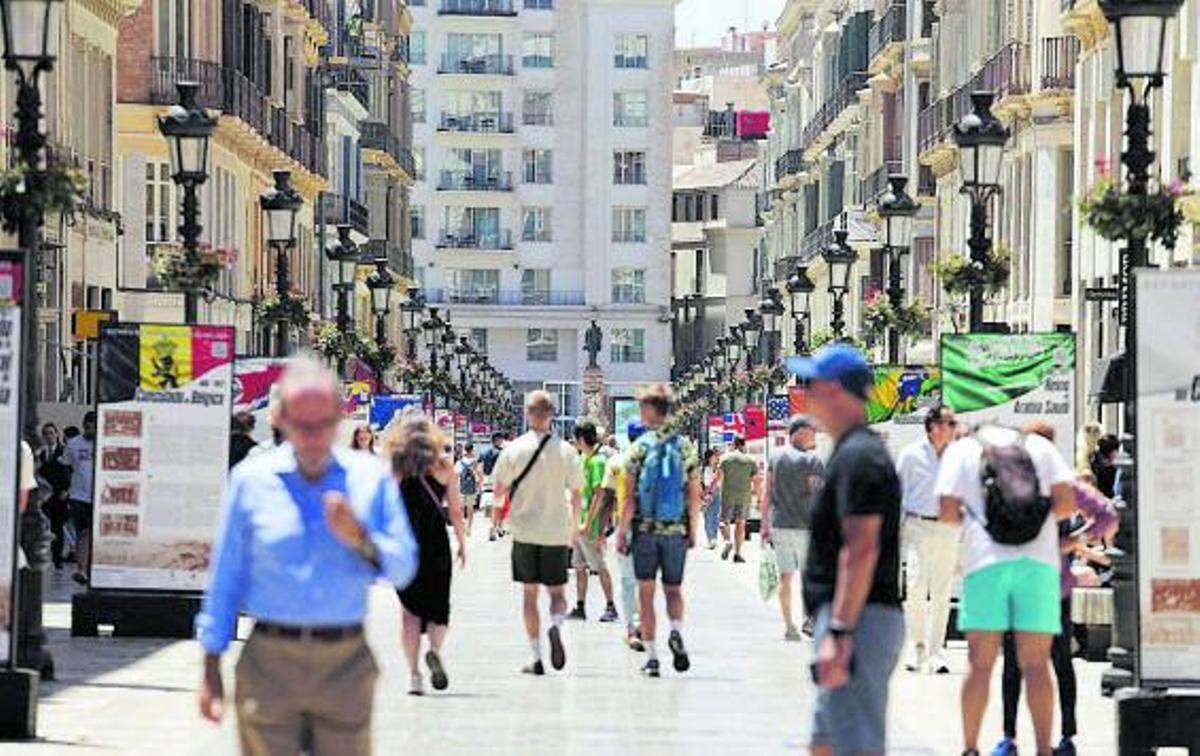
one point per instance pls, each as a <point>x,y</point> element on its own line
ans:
<point>1012,495</point>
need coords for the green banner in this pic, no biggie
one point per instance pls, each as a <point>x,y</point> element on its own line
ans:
<point>984,370</point>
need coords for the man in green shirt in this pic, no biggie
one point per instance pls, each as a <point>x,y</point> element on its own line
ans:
<point>739,473</point>
<point>593,524</point>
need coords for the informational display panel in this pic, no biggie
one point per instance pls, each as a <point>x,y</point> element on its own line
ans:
<point>1009,379</point>
<point>899,400</point>
<point>162,453</point>
<point>10,437</point>
<point>1168,475</point>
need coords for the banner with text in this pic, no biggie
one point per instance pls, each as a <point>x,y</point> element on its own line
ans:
<point>1168,435</point>
<point>162,451</point>
<point>10,438</point>
<point>1009,379</point>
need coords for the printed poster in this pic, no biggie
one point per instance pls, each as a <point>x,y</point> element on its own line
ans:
<point>253,381</point>
<point>1168,445</point>
<point>10,437</point>
<point>384,407</point>
<point>899,400</point>
<point>1009,379</point>
<point>624,410</point>
<point>162,453</point>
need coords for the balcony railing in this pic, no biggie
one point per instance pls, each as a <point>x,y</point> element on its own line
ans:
<point>815,242</point>
<point>477,8</point>
<point>788,165</point>
<point>785,267</point>
<point>405,158</point>
<point>843,96</point>
<point>322,11</point>
<point>1058,62</point>
<point>469,239</point>
<point>376,135</point>
<point>471,181</point>
<point>489,296</point>
<point>483,123</point>
<point>398,259</point>
<point>1005,73</point>
<point>228,90</point>
<point>338,209</point>
<point>876,182</point>
<point>494,64</point>
<point>346,78</point>
<point>926,182</point>
<point>888,28</point>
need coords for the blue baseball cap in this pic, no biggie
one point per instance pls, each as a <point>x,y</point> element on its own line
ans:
<point>836,363</point>
<point>634,429</point>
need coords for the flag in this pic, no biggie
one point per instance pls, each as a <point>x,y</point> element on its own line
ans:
<point>756,422</point>
<point>797,400</point>
<point>778,412</point>
<point>735,425</point>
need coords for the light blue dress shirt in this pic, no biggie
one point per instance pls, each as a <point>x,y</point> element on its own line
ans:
<point>276,560</point>
<point>918,470</point>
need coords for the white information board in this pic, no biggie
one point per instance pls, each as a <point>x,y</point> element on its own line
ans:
<point>10,437</point>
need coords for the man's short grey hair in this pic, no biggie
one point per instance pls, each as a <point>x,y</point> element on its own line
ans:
<point>540,401</point>
<point>306,374</point>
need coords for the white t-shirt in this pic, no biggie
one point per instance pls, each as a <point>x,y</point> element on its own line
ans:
<point>959,477</point>
<point>80,455</point>
<point>541,510</point>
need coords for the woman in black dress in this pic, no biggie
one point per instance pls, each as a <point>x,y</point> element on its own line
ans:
<point>427,477</point>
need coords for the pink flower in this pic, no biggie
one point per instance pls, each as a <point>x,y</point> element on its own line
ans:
<point>1176,187</point>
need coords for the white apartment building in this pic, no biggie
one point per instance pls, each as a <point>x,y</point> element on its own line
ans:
<point>542,137</point>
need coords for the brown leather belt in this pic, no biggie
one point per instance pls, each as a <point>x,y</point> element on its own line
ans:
<point>293,632</point>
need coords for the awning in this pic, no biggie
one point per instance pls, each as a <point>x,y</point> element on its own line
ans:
<point>1108,379</point>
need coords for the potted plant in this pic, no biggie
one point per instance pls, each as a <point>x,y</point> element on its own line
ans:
<point>58,188</point>
<point>288,309</point>
<point>960,275</point>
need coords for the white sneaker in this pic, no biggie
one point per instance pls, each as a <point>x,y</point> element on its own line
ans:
<point>416,684</point>
<point>938,665</point>
<point>919,659</point>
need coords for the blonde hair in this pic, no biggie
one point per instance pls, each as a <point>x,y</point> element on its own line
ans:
<point>1086,442</point>
<point>539,401</point>
<point>414,446</point>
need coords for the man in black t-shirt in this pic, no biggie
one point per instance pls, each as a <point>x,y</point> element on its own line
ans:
<point>855,529</point>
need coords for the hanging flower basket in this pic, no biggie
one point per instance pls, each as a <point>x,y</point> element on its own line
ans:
<point>960,275</point>
<point>176,273</point>
<point>1117,215</point>
<point>59,188</point>
<point>374,357</point>
<point>879,316</point>
<point>291,310</point>
<point>821,338</point>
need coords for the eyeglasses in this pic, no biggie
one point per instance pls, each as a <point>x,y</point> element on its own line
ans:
<point>315,427</point>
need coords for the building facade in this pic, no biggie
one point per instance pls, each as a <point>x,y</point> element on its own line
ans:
<point>542,201</point>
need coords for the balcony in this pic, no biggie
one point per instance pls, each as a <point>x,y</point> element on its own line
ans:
<point>1005,73</point>
<point>815,241</point>
<point>228,90</point>
<point>488,296</point>
<point>1058,62</point>
<point>926,182</point>
<point>477,8</point>
<point>399,261</point>
<point>479,123</point>
<point>491,64</point>
<point>789,164</point>
<point>843,96</point>
<point>888,29</point>
<point>475,181</point>
<point>340,210</point>
<point>376,135</point>
<point>322,12</point>
<point>876,183</point>
<point>475,239</point>
<point>785,267</point>
<point>349,79</point>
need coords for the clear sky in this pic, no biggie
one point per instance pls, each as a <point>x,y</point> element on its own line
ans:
<point>702,22</point>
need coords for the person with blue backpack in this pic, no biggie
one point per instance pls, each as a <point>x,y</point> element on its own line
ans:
<point>663,483</point>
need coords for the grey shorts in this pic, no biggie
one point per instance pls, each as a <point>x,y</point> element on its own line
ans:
<point>853,718</point>
<point>588,553</point>
<point>734,511</point>
<point>655,552</point>
<point>791,548</point>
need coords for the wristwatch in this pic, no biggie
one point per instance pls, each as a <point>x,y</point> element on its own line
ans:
<point>370,552</point>
<point>839,630</point>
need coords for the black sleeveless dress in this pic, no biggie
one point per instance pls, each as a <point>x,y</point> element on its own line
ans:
<point>428,596</point>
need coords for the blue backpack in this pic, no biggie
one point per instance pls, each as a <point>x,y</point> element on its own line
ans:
<point>660,482</point>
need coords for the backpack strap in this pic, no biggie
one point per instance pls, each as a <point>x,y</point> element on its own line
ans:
<point>512,490</point>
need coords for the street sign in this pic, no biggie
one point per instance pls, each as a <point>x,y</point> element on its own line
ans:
<point>85,324</point>
<point>1102,294</point>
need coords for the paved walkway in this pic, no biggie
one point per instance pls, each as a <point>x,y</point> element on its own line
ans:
<point>747,692</point>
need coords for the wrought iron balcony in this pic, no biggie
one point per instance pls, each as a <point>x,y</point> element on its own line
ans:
<point>474,239</point>
<point>483,123</point>
<point>376,135</point>
<point>338,209</point>
<point>789,164</point>
<point>1005,73</point>
<point>887,29</point>
<point>348,78</point>
<point>1058,62</point>
<point>475,181</point>
<point>842,97</point>
<point>785,267</point>
<point>876,182</point>
<point>815,241</point>
<point>516,298</point>
<point>493,64</point>
<point>926,182</point>
<point>477,8</point>
<point>399,260</point>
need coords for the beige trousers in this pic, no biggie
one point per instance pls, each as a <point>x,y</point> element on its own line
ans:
<point>296,695</point>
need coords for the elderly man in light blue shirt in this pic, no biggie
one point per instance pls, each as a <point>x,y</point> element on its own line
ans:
<point>935,543</point>
<point>305,532</point>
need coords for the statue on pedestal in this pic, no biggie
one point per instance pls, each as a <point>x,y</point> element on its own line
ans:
<point>593,342</point>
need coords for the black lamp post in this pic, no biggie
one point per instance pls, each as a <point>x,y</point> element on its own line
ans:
<point>751,330</point>
<point>839,257</point>
<point>345,257</point>
<point>380,283</point>
<point>1140,29</point>
<point>412,307</point>
<point>280,204</point>
<point>30,48</point>
<point>800,288</point>
<point>897,209</point>
<point>432,327</point>
<point>980,138</point>
<point>187,128</point>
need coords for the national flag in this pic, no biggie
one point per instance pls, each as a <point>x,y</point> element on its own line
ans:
<point>778,412</point>
<point>797,400</point>
<point>756,422</point>
<point>735,425</point>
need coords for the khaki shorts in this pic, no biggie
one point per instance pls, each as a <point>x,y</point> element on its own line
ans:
<point>791,548</point>
<point>588,553</point>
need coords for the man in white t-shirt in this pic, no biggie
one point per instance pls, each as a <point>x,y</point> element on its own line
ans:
<point>81,452</point>
<point>541,520</point>
<point>1006,587</point>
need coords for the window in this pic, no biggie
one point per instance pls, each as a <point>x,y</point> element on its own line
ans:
<point>470,102</point>
<point>714,202</point>
<point>416,104</point>
<point>629,224</point>
<point>535,286</point>
<point>629,168</point>
<point>537,108</point>
<point>537,50</point>
<point>628,286</point>
<point>174,22</point>
<point>541,345</point>
<point>629,109</point>
<point>474,286</point>
<point>418,154</point>
<point>628,345</point>
<point>416,47</point>
<point>416,219</point>
<point>473,227</point>
<point>537,167</point>
<point>158,202</point>
<point>536,225</point>
<point>539,4</point>
<point>463,48</point>
<point>631,51</point>
<point>479,165</point>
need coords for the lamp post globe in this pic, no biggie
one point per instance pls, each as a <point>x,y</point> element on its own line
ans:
<point>800,288</point>
<point>898,211</point>
<point>839,258</point>
<point>30,35</point>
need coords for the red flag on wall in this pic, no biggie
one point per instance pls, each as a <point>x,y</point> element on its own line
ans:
<point>797,400</point>
<point>756,422</point>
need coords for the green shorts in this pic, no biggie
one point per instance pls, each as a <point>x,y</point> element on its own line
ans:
<point>1021,595</point>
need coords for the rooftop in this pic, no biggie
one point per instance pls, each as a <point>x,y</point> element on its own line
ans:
<point>739,174</point>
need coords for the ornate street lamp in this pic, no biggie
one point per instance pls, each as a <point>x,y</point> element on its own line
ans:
<point>800,288</point>
<point>898,211</point>
<point>751,330</point>
<point>981,138</point>
<point>432,327</point>
<point>280,205</point>
<point>380,283</point>
<point>187,128</point>
<point>839,257</point>
<point>344,255</point>
<point>770,310</point>
<point>30,29</point>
